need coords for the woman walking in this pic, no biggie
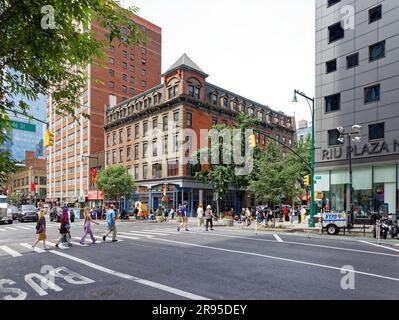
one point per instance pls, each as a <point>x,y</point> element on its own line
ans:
<point>200,216</point>
<point>41,229</point>
<point>87,226</point>
<point>64,227</point>
<point>208,217</point>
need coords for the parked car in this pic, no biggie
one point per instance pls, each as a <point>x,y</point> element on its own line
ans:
<point>55,214</point>
<point>28,213</point>
<point>13,211</point>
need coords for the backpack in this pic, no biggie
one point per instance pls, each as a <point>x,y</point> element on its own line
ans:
<point>38,224</point>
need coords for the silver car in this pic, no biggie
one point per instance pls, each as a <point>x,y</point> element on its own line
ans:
<point>28,213</point>
<point>13,211</point>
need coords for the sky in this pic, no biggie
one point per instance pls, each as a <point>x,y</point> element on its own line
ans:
<point>259,49</point>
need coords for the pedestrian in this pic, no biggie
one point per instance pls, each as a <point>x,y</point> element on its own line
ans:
<point>243,217</point>
<point>208,217</point>
<point>285,213</point>
<point>87,226</point>
<point>41,229</point>
<point>65,235</point>
<point>151,216</point>
<point>292,216</point>
<point>111,223</point>
<point>172,213</point>
<point>166,214</point>
<point>303,214</point>
<point>248,217</point>
<point>183,214</point>
<point>200,216</point>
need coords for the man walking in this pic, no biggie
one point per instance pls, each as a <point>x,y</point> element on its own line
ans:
<point>208,217</point>
<point>183,214</point>
<point>111,223</point>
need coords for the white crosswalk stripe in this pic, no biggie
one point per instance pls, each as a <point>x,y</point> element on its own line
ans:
<point>1,229</point>
<point>128,237</point>
<point>11,228</point>
<point>151,232</point>
<point>29,246</point>
<point>10,251</point>
<point>23,228</point>
<point>136,234</point>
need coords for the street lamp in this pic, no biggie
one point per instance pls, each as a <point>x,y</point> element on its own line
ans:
<point>312,165</point>
<point>353,136</point>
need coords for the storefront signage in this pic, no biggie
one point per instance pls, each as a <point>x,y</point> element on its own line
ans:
<point>92,195</point>
<point>368,149</point>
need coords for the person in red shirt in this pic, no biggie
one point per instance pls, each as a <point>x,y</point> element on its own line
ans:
<point>285,212</point>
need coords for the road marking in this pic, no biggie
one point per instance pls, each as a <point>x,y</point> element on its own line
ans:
<point>280,259</point>
<point>302,244</point>
<point>1,229</point>
<point>278,238</point>
<point>127,237</point>
<point>24,228</point>
<point>29,246</point>
<point>11,228</point>
<point>136,234</point>
<point>153,233</point>
<point>10,251</point>
<point>379,246</point>
<point>156,285</point>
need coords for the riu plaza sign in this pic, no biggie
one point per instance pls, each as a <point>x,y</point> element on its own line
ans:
<point>368,149</point>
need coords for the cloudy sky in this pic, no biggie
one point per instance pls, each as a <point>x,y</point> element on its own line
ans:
<point>260,49</point>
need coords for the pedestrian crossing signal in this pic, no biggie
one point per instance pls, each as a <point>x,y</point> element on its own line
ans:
<point>48,139</point>
<point>306,181</point>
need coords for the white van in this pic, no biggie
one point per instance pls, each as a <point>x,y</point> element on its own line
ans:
<point>5,215</point>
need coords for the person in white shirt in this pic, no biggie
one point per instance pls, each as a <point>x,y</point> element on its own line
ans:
<point>200,217</point>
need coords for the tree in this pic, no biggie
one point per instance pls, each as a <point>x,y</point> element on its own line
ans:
<point>46,46</point>
<point>115,181</point>
<point>266,183</point>
<point>221,176</point>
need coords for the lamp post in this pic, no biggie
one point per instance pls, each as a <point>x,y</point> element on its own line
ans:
<point>353,136</point>
<point>312,165</point>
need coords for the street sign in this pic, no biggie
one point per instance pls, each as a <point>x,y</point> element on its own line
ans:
<point>317,177</point>
<point>23,126</point>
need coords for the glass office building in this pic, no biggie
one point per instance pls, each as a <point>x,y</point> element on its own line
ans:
<point>26,134</point>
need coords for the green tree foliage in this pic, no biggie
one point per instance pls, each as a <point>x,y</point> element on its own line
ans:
<point>46,60</point>
<point>277,177</point>
<point>115,181</point>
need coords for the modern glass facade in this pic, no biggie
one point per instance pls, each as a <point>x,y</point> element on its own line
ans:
<point>376,189</point>
<point>26,134</point>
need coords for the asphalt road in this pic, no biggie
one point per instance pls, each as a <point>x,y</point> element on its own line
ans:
<point>154,261</point>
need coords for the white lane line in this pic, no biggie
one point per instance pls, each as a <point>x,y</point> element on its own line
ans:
<point>153,233</point>
<point>301,244</point>
<point>1,229</point>
<point>136,234</point>
<point>156,285</point>
<point>279,258</point>
<point>29,246</point>
<point>11,228</point>
<point>10,251</point>
<point>128,237</point>
<point>278,238</point>
<point>23,228</point>
<point>379,246</point>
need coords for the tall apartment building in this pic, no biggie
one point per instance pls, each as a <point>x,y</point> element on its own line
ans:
<point>357,83</point>
<point>127,72</point>
<point>152,132</point>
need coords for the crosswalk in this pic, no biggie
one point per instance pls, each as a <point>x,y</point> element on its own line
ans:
<point>20,249</point>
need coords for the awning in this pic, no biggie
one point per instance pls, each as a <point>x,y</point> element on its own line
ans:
<point>305,198</point>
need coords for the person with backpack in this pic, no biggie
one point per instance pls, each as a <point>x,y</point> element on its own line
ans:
<point>248,217</point>
<point>208,217</point>
<point>41,230</point>
<point>183,214</point>
<point>87,226</point>
<point>111,223</point>
<point>65,228</point>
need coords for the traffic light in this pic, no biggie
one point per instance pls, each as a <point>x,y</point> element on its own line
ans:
<point>306,180</point>
<point>48,139</point>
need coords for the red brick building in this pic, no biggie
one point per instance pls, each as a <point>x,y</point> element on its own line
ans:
<point>127,71</point>
<point>151,132</point>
